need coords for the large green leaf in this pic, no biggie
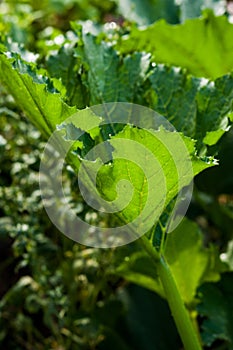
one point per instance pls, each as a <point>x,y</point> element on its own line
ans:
<point>137,184</point>
<point>197,107</point>
<point>33,93</point>
<point>109,76</point>
<point>203,45</point>
<point>64,66</point>
<point>190,262</point>
<point>160,144</point>
<point>129,175</point>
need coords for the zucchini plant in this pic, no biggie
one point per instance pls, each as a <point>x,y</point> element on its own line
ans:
<point>110,86</point>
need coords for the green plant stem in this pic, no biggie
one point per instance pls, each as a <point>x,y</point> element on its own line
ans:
<point>179,312</point>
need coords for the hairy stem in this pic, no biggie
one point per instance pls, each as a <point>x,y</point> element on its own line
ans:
<point>179,312</point>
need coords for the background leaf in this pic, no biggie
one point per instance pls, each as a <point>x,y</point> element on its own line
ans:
<point>193,8</point>
<point>191,263</point>
<point>148,11</point>
<point>197,107</point>
<point>216,308</point>
<point>202,45</point>
<point>111,77</point>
